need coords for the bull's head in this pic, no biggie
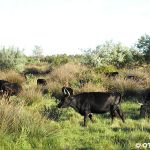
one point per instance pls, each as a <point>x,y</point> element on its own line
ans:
<point>66,100</point>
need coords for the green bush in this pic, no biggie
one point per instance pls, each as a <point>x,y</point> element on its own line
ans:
<point>104,69</point>
<point>57,60</point>
<point>12,58</point>
<point>109,53</point>
<point>32,60</point>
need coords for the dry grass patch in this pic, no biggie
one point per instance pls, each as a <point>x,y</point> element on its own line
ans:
<point>64,74</point>
<point>90,87</point>
<point>140,73</point>
<point>41,65</point>
<point>119,84</point>
<point>12,76</point>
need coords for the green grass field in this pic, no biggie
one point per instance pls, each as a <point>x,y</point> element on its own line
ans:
<point>33,121</point>
<point>24,128</point>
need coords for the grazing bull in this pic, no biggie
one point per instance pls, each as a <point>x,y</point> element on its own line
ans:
<point>112,74</point>
<point>10,89</point>
<point>41,82</point>
<point>93,102</point>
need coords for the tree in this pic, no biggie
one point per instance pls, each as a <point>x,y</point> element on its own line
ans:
<point>144,45</point>
<point>37,52</point>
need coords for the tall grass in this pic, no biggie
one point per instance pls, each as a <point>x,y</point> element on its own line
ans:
<point>12,76</point>
<point>64,74</point>
<point>37,123</point>
<point>31,95</point>
<point>129,87</point>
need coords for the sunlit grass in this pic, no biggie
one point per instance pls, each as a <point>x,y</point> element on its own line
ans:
<point>33,121</point>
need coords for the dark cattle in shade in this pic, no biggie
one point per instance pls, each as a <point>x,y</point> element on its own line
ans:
<point>93,102</point>
<point>41,82</point>
<point>32,71</point>
<point>133,77</point>
<point>146,97</point>
<point>10,89</point>
<point>35,71</point>
<point>112,74</point>
<point>145,103</point>
<point>145,111</point>
<point>1,83</point>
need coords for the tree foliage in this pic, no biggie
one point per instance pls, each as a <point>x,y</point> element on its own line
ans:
<point>144,45</point>
<point>37,52</point>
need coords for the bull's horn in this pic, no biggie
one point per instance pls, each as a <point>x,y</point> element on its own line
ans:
<point>140,103</point>
<point>68,93</point>
<point>64,90</point>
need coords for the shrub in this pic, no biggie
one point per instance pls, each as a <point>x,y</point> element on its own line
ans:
<point>52,113</point>
<point>57,60</point>
<point>12,58</point>
<point>32,60</point>
<point>104,69</point>
<point>109,53</point>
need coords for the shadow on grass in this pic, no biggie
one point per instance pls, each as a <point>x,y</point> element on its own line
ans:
<point>52,113</point>
<point>85,148</point>
<point>126,129</point>
<point>35,71</point>
<point>133,114</point>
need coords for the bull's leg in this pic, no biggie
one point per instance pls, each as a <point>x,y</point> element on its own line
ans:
<point>85,118</point>
<point>112,113</point>
<point>1,94</point>
<point>115,114</point>
<point>90,116</point>
<point>7,96</point>
<point>4,95</point>
<point>120,113</point>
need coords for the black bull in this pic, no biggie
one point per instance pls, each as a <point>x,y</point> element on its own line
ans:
<point>94,102</point>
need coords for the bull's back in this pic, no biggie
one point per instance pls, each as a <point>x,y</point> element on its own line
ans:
<point>100,102</point>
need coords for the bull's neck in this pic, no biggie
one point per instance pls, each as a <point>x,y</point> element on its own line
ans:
<point>75,104</point>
